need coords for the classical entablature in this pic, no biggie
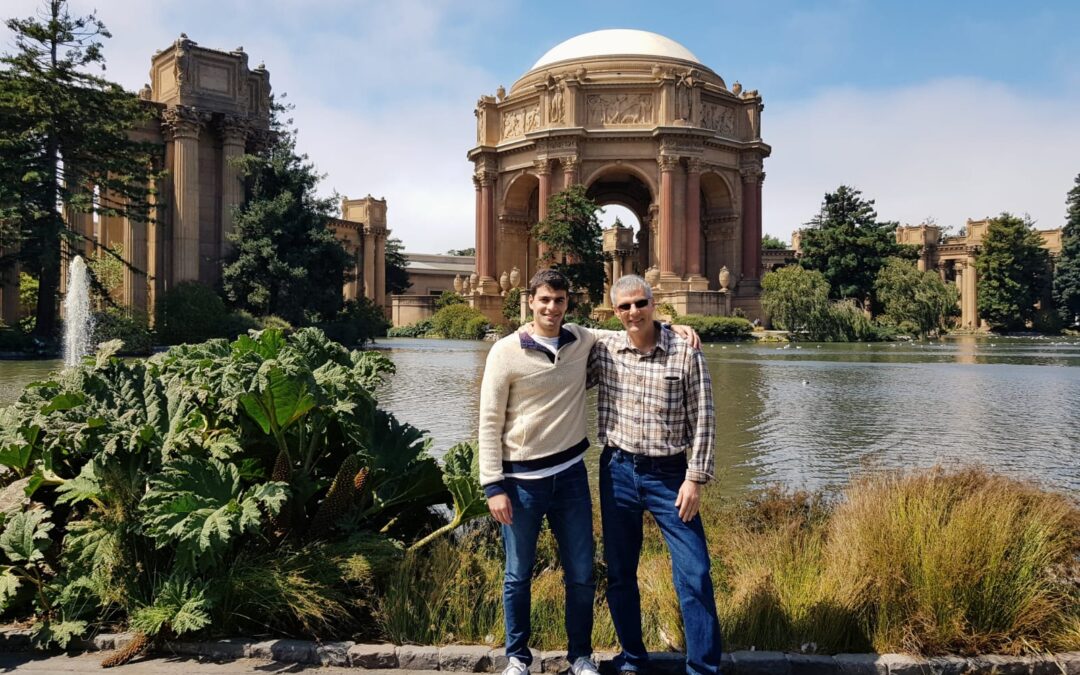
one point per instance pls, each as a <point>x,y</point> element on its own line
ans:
<point>642,123</point>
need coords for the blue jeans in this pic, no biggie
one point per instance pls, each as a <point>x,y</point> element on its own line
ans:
<point>629,486</point>
<point>564,498</point>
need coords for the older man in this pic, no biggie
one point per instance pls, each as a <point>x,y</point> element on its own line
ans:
<point>656,421</point>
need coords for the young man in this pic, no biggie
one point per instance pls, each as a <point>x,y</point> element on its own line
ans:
<point>656,421</point>
<point>532,441</point>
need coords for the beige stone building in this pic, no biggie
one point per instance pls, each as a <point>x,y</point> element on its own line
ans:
<point>211,108</point>
<point>431,275</point>
<point>954,259</point>
<point>641,122</point>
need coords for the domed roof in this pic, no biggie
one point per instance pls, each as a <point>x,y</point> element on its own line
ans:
<point>615,42</point>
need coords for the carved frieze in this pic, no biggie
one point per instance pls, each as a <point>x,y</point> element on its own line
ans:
<point>520,121</point>
<point>619,109</point>
<point>718,118</point>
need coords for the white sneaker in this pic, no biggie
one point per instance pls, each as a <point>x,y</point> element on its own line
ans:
<point>583,665</point>
<point>515,666</point>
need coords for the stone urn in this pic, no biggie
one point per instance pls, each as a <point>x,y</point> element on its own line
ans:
<point>652,276</point>
<point>504,282</point>
<point>474,282</point>
<point>465,286</point>
<point>725,278</point>
<point>515,277</point>
<point>458,284</point>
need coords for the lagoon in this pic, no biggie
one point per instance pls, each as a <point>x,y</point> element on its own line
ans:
<point>807,416</point>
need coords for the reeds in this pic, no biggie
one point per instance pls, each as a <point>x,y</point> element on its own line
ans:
<point>928,562</point>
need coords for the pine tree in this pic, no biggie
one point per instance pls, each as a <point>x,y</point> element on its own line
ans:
<point>397,276</point>
<point>1067,273</point>
<point>62,129</point>
<point>285,260</point>
<point>571,233</point>
<point>1013,272</point>
<point>849,245</point>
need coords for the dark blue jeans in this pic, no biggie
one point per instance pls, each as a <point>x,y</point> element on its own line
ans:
<point>564,498</point>
<point>630,485</point>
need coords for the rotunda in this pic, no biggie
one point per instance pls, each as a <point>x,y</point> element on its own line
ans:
<point>641,122</point>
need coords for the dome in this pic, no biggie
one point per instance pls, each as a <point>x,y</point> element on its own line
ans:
<point>615,42</point>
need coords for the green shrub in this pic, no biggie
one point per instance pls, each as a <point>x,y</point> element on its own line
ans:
<point>449,298</point>
<point>130,326</point>
<point>14,340</point>
<point>276,323</point>
<point>611,323</point>
<point>359,322</point>
<point>511,309</point>
<point>191,312</point>
<point>413,330</point>
<point>717,328</point>
<point>239,322</point>
<point>849,323</point>
<point>460,322</point>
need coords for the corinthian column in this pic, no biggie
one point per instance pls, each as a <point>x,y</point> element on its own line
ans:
<point>668,164</point>
<point>751,223</point>
<point>380,269</point>
<point>693,226</point>
<point>485,248</point>
<point>182,124</point>
<point>233,138</point>
<point>969,294</point>
<point>543,172</point>
<point>367,241</point>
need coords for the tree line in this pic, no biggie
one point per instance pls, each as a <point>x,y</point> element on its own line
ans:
<point>850,260</point>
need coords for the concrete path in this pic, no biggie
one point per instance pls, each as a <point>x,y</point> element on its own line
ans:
<point>91,663</point>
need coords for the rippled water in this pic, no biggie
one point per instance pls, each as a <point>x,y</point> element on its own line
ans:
<point>808,416</point>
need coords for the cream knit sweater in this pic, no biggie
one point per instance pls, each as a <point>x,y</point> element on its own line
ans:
<point>530,407</point>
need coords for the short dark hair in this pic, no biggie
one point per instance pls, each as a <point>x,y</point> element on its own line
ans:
<point>550,278</point>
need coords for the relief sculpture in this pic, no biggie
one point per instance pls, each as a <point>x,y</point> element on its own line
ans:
<point>520,121</point>
<point>719,118</point>
<point>618,109</point>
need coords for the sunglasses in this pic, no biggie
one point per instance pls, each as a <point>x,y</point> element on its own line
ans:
<point>640,304</point>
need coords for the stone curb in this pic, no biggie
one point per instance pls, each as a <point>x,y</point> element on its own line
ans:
<point>483,659</point>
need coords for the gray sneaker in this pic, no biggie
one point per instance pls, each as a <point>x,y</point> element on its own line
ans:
<point>583,665</point>
<point>515,666</point>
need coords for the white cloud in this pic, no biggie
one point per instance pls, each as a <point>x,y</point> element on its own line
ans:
<point>951,149</point>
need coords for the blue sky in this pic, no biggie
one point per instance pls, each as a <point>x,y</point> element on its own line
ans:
<point>943,110</point>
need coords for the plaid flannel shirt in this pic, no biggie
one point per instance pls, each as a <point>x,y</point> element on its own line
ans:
<point>658,403</point>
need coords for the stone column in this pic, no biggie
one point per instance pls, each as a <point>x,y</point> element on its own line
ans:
<point>543,172</point>
<point>751,223</point>
<point>485,251</point>
<point>183,125</point>
<point>969,294</point>
<point>368,242</point>
<point>233,139</point>
<point>136,253</point>
<point>380,269</point>
<point>958,268</point>
<point>480,218</point>
<point>668,164</point>
<point>693,226</point>
<point>570,167</point>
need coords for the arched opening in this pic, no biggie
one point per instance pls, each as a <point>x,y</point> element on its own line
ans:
<point>624,192</point>
<point>721,240</point>
<point>520,211</point>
